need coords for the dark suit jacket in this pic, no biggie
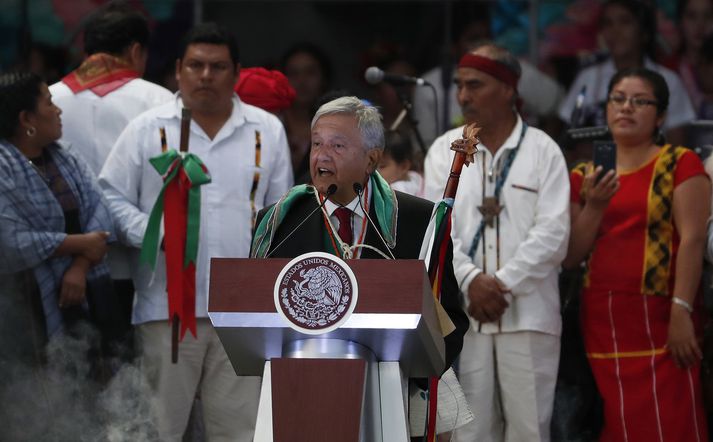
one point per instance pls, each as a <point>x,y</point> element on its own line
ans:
<point>413,217</point>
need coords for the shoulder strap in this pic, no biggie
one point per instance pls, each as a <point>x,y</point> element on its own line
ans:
<point>659,231</point>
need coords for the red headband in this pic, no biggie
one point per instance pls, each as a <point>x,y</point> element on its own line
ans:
<point>490,67</point>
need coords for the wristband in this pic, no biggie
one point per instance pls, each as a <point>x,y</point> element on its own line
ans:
<point>682,303</point>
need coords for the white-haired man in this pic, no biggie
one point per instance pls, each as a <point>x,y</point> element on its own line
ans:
<point>347,143</point>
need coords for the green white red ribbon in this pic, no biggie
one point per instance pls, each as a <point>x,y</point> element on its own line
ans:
<point>180,204</point>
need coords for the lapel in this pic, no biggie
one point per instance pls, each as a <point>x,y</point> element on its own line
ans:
<point>305,238</point>
<point>373,239</point>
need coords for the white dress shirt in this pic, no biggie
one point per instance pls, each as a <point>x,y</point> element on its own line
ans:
<point>413,185</point>
<point>359,221</point>
<point>534,225</point>
<point>91,124</point>
<point>132,185</point>
<point>596,78</point>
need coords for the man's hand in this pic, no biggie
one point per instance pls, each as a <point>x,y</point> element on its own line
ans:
<point>94,246</point>
<point>74,283</point>
<point>487,298</point>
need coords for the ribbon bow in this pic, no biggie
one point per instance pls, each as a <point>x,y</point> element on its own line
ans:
<point>195,174</point>
<point>183,174</point>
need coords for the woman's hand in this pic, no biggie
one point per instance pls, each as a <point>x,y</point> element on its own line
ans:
<point>598,193</point>
<point>94,246</point>
<point>682,343</point>
<point>74,283</point>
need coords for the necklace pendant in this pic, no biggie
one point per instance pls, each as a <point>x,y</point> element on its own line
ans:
<point>42,173</point>
<point>490,209</point>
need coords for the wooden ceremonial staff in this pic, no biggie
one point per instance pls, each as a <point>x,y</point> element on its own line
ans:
<point>465,149</point>
<point>183,147</point>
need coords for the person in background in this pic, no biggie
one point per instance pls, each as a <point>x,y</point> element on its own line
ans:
<point>310,74</point>
<point>705,74</point>
<point>100,97</point>
<point>396,165</point>
<point>245,151</point>
<point>641,229</point>
<point>540,94</point>
<point>695,19</point>
<point>628,28</point>
<point>700,134</point>
<point>55,223</point>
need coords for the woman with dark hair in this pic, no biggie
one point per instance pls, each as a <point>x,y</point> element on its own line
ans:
<point>628,29</point>
<point>54,223</point>
<point>641,229</point>
<point>309,72</point>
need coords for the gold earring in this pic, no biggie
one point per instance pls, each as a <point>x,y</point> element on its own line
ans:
<point>31,131</point>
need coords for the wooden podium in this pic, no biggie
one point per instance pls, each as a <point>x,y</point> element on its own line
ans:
<point>349,384</point>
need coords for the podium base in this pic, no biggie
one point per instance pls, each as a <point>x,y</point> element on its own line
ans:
<point>380,411</point>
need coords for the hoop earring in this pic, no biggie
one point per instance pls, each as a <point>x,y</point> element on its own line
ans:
<point>31,131</point>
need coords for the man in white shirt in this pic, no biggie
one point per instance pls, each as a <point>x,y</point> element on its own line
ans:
<point>510,233</point>
<point>240,145</point>
<point>99,98</point>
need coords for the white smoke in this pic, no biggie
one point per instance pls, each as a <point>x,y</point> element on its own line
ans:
<point>52,393</point>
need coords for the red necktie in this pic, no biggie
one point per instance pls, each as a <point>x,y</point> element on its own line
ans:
<point>344,216</point>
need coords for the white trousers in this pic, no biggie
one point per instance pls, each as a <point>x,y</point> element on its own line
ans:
<point>509,382</point>
<point>229,401</point>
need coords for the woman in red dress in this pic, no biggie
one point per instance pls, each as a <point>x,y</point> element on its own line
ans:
<point>642,230</point>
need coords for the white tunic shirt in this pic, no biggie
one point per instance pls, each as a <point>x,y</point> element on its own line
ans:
<point>596,78</point>
<point>131,185</point>
<point>91,124</point>
<point>534,224</point>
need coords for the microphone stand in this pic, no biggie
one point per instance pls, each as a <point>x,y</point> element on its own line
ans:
<point>359,189</point>
<point>407,113</point>
<point>331,190</point>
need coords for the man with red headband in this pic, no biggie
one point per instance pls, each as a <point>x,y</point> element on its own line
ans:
<point>510,233</point>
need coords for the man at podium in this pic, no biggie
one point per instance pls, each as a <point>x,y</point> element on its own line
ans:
<point>350,210</point>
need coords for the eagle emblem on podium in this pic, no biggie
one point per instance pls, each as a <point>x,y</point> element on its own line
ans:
<point>315,292</point>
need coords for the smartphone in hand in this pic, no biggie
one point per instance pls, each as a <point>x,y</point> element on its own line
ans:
<point>605,156</point>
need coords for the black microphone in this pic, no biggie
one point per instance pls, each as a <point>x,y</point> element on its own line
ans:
<point>331,190</point>
<point>374,75</point>
<point>576,120</point>
<point>359,189</point>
